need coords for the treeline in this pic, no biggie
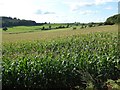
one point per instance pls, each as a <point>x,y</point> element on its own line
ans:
<point>9,22</point>
<point>113,20</point>
<point>58,27</point>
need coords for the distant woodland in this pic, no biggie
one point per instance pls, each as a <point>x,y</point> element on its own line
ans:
<point>9,21</point>
<point>113,19</point>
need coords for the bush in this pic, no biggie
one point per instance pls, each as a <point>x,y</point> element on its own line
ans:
<point>100,24</point>
<point>4,28</point>
<point>90,25</point>
<point>61,27</point>
<point>74,28</point>
<point>50,27</point>
<point>109,23</point>
<point>82,27</point>
<point>67,26</point>
<point>43,28</point>
<point>85,26</point>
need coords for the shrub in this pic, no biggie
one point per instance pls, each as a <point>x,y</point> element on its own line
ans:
<point>50,27</point>
<point>100,24</point>
<point>90,25</point>
<point>67,26</point>
<point>43,28</point>
<point>85,26</point>
<point>4,28</point>
<point>109,23</point>
<point>82,27</point>
<point>74,28</point>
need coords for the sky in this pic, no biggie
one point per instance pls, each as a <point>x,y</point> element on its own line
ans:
<point>60,11</point>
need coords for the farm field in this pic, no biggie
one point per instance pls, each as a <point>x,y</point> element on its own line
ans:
<point>16,33</point>
<point>60,45</point>
<point>20,29</point>
<point>61,59</point>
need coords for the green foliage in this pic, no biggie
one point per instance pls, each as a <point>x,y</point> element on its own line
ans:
<point>74,28</point>
<point>4,28</point>
<point>67,26</point>
<point>10,22</point>
<point>100,24</point>
<point>43,28</point>
<point>83,26</point>
<point>61,64</point>
<point>49,27</point>
<point>113,20</point>
<point>90,25</point>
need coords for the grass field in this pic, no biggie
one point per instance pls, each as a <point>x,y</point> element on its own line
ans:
<point>12,36</point>
<point>22,29</point>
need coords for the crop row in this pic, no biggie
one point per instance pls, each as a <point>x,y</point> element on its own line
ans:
<point>61,64</point>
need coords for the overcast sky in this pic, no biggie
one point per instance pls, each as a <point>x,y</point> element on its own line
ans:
<point>59,11</point>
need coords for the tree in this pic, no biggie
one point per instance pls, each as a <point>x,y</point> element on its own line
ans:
<point>85,26</point>
<point>45,23</point>
<point>82,26</point>
<point>109,23</point>
<point>100,24</point>
<point>43,28</point>
<point>14,18</point>
<point>90,25</point>
<point>67,26</point>
<point>49,27</point>
<point>4,28</point>
<point>113,20</point>
<point>9,22</point>
<point>74,28</point>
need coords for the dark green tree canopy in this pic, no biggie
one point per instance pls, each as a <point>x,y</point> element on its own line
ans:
<point>113,20</point>
<point>9,22</point>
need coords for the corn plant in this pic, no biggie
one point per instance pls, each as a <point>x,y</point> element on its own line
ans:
<point>61,64</point>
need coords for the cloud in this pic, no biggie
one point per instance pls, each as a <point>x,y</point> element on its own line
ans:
<point>49,12</point>
<point>42,12</point>
<point>98,2</point>
<point>88,12</point>
<point>78,4</point>
<point>76,7</point>
<point>46,10</point>
<point>39,12</point>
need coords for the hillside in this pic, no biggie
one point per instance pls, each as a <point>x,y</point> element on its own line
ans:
<point>113,19</point>
<point>9,22</point>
